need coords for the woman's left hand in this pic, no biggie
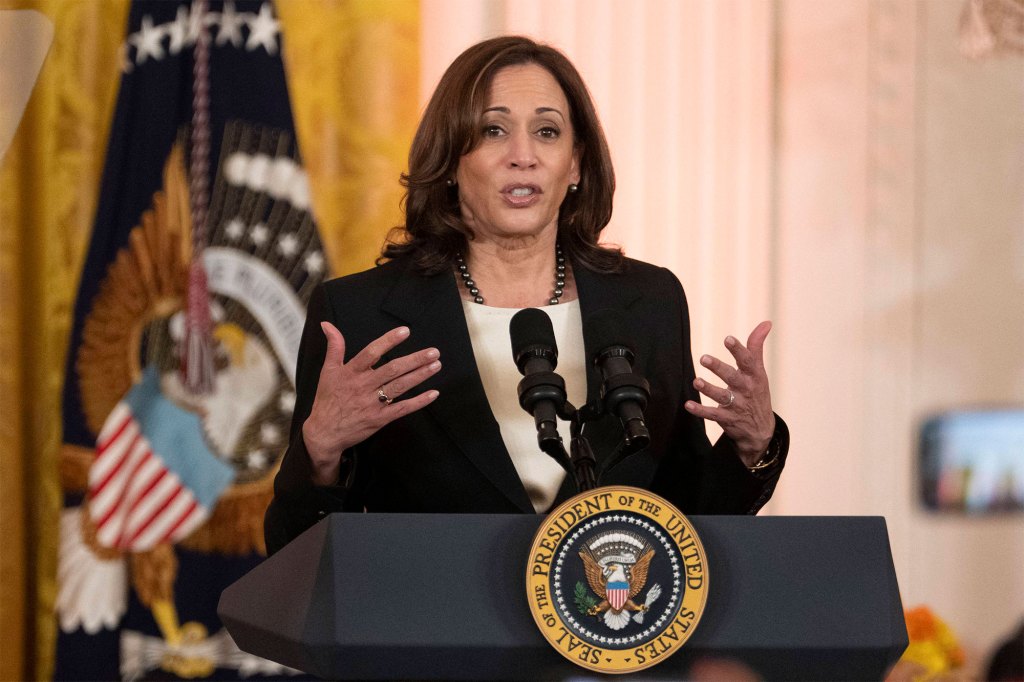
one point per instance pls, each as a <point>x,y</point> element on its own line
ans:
<point>744,408</point>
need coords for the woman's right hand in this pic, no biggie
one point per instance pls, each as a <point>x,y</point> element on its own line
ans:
<point>347,408</point>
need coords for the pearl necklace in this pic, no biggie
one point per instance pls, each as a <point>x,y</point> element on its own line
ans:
<point>467,279</point>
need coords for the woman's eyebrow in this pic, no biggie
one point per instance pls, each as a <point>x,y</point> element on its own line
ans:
<point>538,110</point>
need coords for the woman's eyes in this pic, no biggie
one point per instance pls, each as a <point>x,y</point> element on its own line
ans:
<point>546,132</point>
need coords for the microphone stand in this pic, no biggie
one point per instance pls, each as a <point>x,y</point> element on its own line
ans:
<point>580,461</point>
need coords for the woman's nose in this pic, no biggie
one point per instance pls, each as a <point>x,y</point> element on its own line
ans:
<point>521,151</point>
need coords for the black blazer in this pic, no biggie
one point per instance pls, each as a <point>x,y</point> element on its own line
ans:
<point>449,457</point>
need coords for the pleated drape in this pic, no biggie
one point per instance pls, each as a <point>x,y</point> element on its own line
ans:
<point>353,69</point>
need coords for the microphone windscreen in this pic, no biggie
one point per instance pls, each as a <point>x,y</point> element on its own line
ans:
<point>531,330</point>
<point>605,329</point>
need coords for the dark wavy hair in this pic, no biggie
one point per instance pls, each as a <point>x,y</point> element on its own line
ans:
<point>434,230</point>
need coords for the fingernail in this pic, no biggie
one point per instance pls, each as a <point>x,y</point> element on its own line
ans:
<point>323,325</point>
<point>705,360</point>
<point>689,405</point>
<point>434,366</point>
<point>403,331</point>
<point>432,394</point>
<point>730,341</point>
<point>433,354</point>
<point>698,383</point>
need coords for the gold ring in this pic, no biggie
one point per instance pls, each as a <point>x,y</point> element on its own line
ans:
<point>383,397</point>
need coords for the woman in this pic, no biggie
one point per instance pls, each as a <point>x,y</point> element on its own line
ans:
<point>413,408</point>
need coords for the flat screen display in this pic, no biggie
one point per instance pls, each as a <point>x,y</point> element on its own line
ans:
<point>973,461</point>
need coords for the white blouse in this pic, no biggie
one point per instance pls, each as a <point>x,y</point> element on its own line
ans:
<point>489,331</point>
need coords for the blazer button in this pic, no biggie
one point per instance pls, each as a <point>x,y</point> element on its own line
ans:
<point>320,514</point>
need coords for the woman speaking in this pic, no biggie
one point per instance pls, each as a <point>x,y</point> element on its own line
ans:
<point>406,386</point>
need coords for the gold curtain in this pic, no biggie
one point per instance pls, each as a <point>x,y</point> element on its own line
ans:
<point>48,186</point>
<point>353,74</point>
<point>353,69</point>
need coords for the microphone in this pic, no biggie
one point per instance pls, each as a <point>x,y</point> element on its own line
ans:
<point>623,392</point>
<point>541,392</point>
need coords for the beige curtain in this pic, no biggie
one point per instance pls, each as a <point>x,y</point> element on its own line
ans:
<point>353,68</point>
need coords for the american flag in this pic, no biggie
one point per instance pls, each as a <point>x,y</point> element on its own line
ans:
<point>618,593</point>
<point>153,480</point>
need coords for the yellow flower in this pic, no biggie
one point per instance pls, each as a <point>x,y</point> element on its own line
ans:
<point>933,646</point>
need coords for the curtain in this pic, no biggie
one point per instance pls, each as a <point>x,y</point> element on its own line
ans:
<point>353,69</point>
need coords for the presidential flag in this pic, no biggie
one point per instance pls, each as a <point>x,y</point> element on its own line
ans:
<point>179,384</point>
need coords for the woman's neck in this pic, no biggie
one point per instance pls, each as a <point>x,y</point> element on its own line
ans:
<point>515,274</point>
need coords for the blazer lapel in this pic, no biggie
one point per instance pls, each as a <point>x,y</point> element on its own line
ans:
<point>600,292</point>
<point>432,309</point>
<point>597,292</point>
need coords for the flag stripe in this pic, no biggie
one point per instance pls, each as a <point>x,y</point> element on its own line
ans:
<point>112,496</point>
<point>151,504</point>
<point>108,459</point>
<point>154,531</point>
<point>175,493</point>
<point>180,523</point>
<point>143,455</point>
<point>96,490</point>
<point>158,475</point>
<point>104,440</point>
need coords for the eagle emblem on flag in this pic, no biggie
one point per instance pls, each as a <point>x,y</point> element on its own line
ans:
<point>172,466</point>
<point>616,564</point>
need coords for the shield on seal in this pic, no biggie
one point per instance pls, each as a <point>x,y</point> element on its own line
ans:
<point>618,593</point>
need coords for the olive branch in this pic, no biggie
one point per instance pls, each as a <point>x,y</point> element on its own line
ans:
<point>584,601</point>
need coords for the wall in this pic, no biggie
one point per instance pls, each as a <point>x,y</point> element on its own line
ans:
<point>838,167</point>
<point>899,287</point>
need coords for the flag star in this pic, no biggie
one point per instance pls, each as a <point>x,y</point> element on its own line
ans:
<point>270,434</point>
<point>263,30</point>
<point>178,31</point>
<point>147,41</point>
<point>230,29</point>
<point>675,590</point>
<point>288,244</point>
<point>287,401</point>
<point>259,234</point>
<point>257,459</point>
<point>314,263</point>
<point>235,229</point>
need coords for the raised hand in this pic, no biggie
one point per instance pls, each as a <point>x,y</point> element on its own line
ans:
<point>744,408</point>
<point>354,399</point>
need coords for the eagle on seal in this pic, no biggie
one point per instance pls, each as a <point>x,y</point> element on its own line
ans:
<point>616,566</point>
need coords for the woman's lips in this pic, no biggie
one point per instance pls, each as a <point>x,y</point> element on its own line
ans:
<point>520,195</point>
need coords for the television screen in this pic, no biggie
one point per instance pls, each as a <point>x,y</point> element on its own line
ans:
<point>973,461</point>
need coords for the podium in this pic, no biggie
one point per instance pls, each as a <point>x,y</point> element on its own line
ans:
<point>420,596</point>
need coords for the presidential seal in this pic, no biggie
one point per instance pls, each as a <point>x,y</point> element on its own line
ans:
<point>617,579</point>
